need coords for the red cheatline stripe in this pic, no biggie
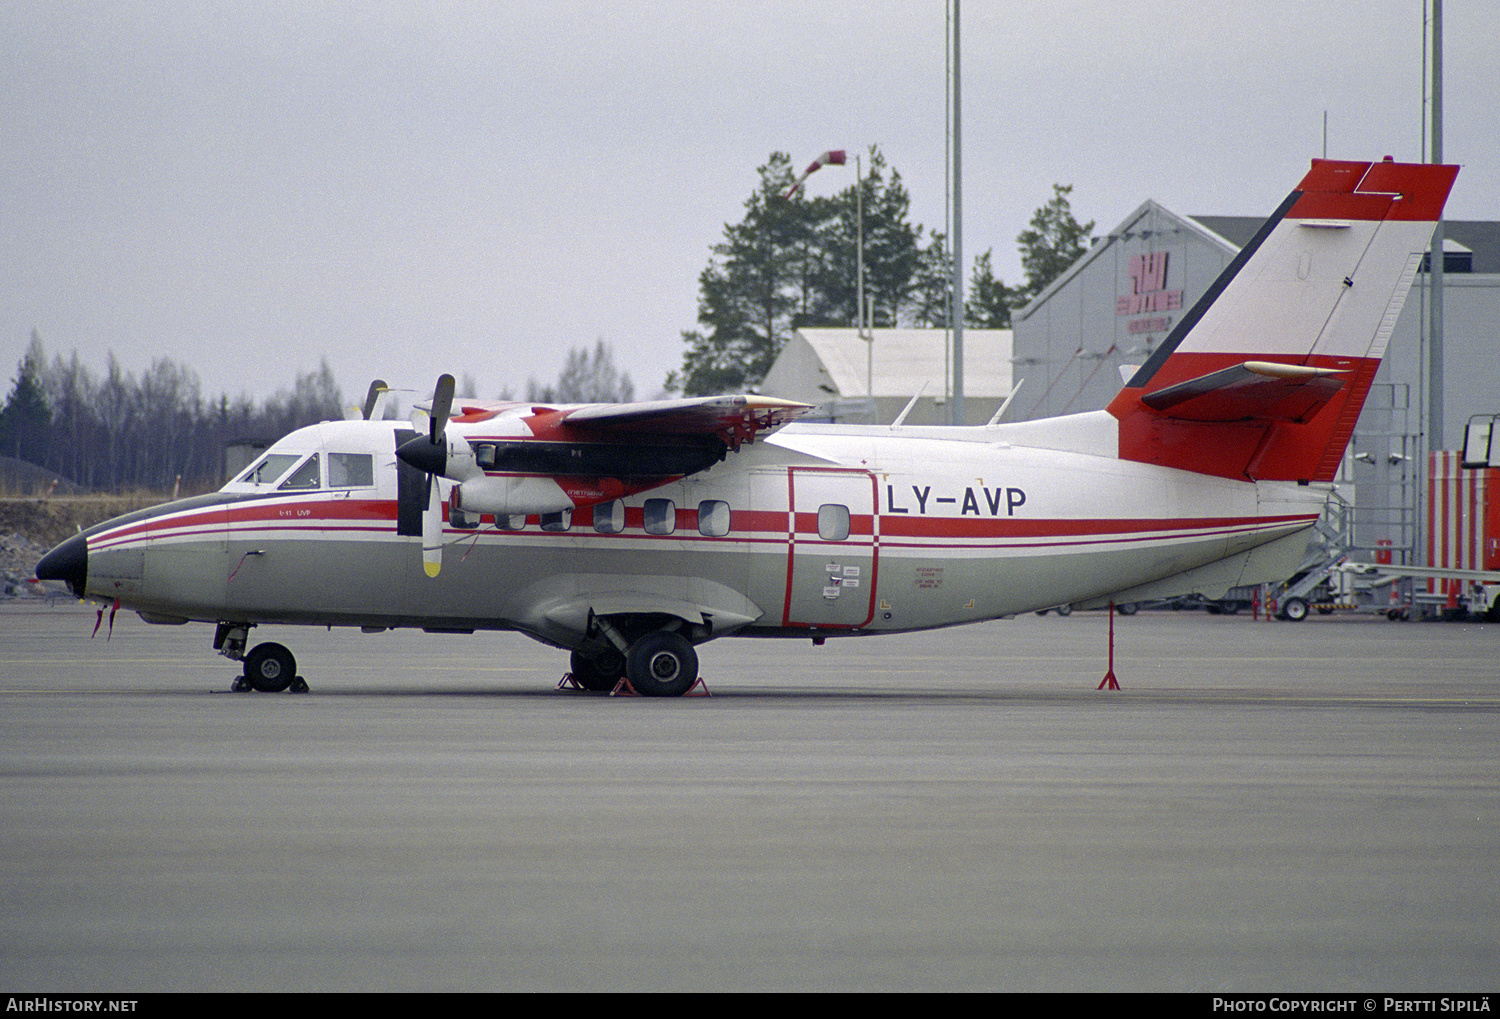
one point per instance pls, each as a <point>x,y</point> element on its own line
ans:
<point>373,517</point>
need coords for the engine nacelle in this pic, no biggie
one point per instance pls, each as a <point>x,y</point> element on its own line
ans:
<point>504,495</point>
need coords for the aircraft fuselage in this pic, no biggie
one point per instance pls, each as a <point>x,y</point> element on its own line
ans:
<point>816,531</point>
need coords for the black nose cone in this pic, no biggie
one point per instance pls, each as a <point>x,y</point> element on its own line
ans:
<point>68,562</point>
<point>424,454</point>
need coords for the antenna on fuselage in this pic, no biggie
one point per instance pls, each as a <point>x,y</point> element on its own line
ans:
<point>1013,391</point>
<point>909,405</point>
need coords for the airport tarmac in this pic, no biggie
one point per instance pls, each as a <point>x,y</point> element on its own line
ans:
<point>1270,807</point>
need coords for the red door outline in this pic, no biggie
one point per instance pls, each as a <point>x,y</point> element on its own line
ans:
<point>802,532</point>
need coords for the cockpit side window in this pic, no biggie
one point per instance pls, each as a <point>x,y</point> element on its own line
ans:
<point>351,470</point>
<point>305,477</point>
<point>269,469</point>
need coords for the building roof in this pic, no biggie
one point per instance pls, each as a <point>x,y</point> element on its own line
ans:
<point>905,358</point>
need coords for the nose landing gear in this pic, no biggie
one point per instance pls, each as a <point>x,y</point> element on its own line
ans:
<point>268,668</point>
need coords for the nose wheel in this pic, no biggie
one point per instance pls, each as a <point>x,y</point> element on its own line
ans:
<point>271,668</point>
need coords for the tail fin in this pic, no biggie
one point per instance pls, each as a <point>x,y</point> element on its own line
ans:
<point>1265,376</point>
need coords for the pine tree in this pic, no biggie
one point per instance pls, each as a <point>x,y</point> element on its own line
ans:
<point>593,378</point>
<point>791,262</point>
<point>932,286</point>
<point>26,417</point>
<point>989,300</point>
<point>750,290</point>
<point>1054,242</point>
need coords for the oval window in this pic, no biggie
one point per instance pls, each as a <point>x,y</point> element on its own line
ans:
<point>713,518</point>
<point>660,516</point>
<point>609,517</point>
<point>833,521</point>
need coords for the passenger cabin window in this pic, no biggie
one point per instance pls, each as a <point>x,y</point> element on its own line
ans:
<point>609,517</point>
<point>484,455</point>
<point>833,521</point>
<point>268,470</point>
<point>660,516</point>
<point>713,518</point>
<point>304,478</point>
<point>351,470</point>
<point>562,520</point>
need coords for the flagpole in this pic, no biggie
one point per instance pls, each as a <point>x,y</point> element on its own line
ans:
<point>860,325</point>
<point>957,406</point>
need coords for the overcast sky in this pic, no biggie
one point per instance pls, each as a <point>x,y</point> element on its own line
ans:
<point>417,187</point>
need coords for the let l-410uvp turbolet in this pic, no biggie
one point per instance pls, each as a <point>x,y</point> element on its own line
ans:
<point>629,534</point>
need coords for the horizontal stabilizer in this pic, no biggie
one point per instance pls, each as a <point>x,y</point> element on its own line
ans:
<point>1253,390</point>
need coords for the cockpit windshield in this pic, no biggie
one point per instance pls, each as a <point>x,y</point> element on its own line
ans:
<point>304,477</point>
<point>336,458</point>
<point>270,469</point>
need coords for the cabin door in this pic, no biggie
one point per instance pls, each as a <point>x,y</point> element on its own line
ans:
<point>833,548</point>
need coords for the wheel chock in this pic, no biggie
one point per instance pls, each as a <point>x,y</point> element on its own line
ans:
<point>624,689</point>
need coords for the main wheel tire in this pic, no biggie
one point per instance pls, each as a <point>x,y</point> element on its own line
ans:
<point>270,668</point>
<point>1128,608</point>
<point>1295,610</point>
<point>662,664</point>
<point>600,673</point>
<point>1065,610</point>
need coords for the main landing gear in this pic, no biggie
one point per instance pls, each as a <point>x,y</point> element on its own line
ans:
<point>600,673</point>
<point>657,663</point>
<point>268,668</point>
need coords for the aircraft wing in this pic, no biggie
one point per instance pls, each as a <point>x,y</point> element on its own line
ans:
<point>550,458</point>
<point>734,419</point>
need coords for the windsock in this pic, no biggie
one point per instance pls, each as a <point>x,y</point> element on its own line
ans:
<point>833,156</point>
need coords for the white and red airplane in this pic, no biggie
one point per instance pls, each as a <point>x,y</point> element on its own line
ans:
<point>630,534</point>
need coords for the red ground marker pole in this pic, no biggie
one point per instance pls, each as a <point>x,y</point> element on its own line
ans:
<point>1109,682</point>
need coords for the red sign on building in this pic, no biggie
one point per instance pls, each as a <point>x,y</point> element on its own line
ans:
<point>1148,290</point>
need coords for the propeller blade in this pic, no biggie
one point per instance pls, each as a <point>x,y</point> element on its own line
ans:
<point>442,404</point>
<point>432,457</point>
<point>373,397</point>
<point>432,531</point>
